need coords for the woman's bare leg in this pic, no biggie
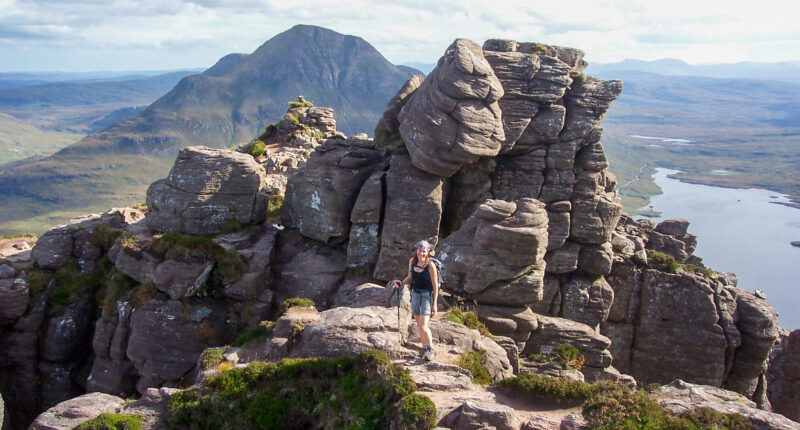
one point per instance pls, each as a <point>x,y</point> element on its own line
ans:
<point>424,331</point>
<point>423,328</point>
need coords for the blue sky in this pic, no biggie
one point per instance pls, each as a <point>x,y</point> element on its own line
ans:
<point>84,35</point>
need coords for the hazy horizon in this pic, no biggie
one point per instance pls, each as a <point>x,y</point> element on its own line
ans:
<point>82,35</point>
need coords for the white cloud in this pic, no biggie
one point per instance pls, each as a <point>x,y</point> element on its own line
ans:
<point>39,34</point>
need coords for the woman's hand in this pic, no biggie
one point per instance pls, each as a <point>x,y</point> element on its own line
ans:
<point>434,309</point>
<point>398,283</point>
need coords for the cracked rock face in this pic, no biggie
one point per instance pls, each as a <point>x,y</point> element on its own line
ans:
<point>206,190</point>
<point>497,257</point>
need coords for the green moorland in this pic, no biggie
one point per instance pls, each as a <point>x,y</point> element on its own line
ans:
<point>115,180</point>
<point>742,133</point>
<point>19,139</point>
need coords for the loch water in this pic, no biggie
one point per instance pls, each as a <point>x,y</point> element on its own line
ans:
<point>744,231</point>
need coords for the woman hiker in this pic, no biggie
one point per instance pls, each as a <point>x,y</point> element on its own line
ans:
<point>423,278</point>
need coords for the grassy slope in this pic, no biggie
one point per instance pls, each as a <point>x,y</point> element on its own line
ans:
<point>116,180</point>
<point>748,128</point>
<point>20,140</point>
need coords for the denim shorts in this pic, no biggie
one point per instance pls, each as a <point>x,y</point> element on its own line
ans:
<point>421,302</point>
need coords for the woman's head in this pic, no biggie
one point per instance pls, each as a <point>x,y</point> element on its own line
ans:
<point>422,251</point>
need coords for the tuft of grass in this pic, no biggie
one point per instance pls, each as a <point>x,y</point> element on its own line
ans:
<point>416,411</point>
<point>20,236</point>
<point>71,284</point>
<point>299,104</point>
<point>259,333</point>
<point>295,302</point>
<point>667,263</point>
<point>661,261</point>
<point>145,293</point>
<point>570,356</point>
<point>546,386</point>
<point>542,49</point>
<point>104,236</point>
<point>390,140</point>
<point>258,148</point>
<point>127,240</point>
<point>360,392</point>
<point>577,78</point>
<point>566,354</point>
<point>274,206</point>
<point>470,319</point>
<point>210,358</point>
<point>475,362</point>
<point>112,422</point>
<point>229,265</point>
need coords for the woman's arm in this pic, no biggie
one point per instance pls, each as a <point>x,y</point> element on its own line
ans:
<point>407,279</point>
<point>435,281</point>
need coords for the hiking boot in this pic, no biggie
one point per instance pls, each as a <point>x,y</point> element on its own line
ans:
<point>429,355</point>
<point>422,352</point>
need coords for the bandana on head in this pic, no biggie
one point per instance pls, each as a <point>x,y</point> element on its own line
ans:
<point>423,244</point>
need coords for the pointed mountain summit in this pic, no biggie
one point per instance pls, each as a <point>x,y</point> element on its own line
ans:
<point>241,94</point>
<point>230,103</point>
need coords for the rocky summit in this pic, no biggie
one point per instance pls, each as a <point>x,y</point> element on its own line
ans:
<point>287,246</point>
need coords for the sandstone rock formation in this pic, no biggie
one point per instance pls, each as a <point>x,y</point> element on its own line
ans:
<point>206,190</point>
<point>495,158</point>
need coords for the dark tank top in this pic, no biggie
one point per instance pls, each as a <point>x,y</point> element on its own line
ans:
<point>421,281</point>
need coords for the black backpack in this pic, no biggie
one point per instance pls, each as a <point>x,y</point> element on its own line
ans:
<point>439,270</point>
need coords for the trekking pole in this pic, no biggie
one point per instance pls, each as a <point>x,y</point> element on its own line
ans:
<point>398,315</point>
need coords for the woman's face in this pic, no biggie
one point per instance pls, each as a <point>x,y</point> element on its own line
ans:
<point>422,254</point>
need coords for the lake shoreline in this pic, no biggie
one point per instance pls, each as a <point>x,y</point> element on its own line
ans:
<point>734,237</point>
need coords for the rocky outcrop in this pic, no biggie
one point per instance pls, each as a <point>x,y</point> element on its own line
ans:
<point>784,384</point>
<point>206,190</point>
<point>497,257</point>
<point>678,397</point>
<point>69,414</point>
<point>320,198</point>
<point>671,320</point>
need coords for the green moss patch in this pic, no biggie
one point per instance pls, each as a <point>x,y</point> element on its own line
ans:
<point>274,206</point>
<point>19,236</point>
<point>568,355</point>
<point>577,78</point>
<point>112,422</point>
<point>475,362</point>
<point>104,236</point>
<point>416,412</point>
<point>71,284</point>
<point>295,302</point>
<point>300,104</point>
<point>667,263</point>
<point>361,392</point>
<point>468,318</point>
<point>228,267</point>
<point>210,358</point>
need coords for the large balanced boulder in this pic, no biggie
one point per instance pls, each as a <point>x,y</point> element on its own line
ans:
<point>453,118</point>
<point>206,190</point>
